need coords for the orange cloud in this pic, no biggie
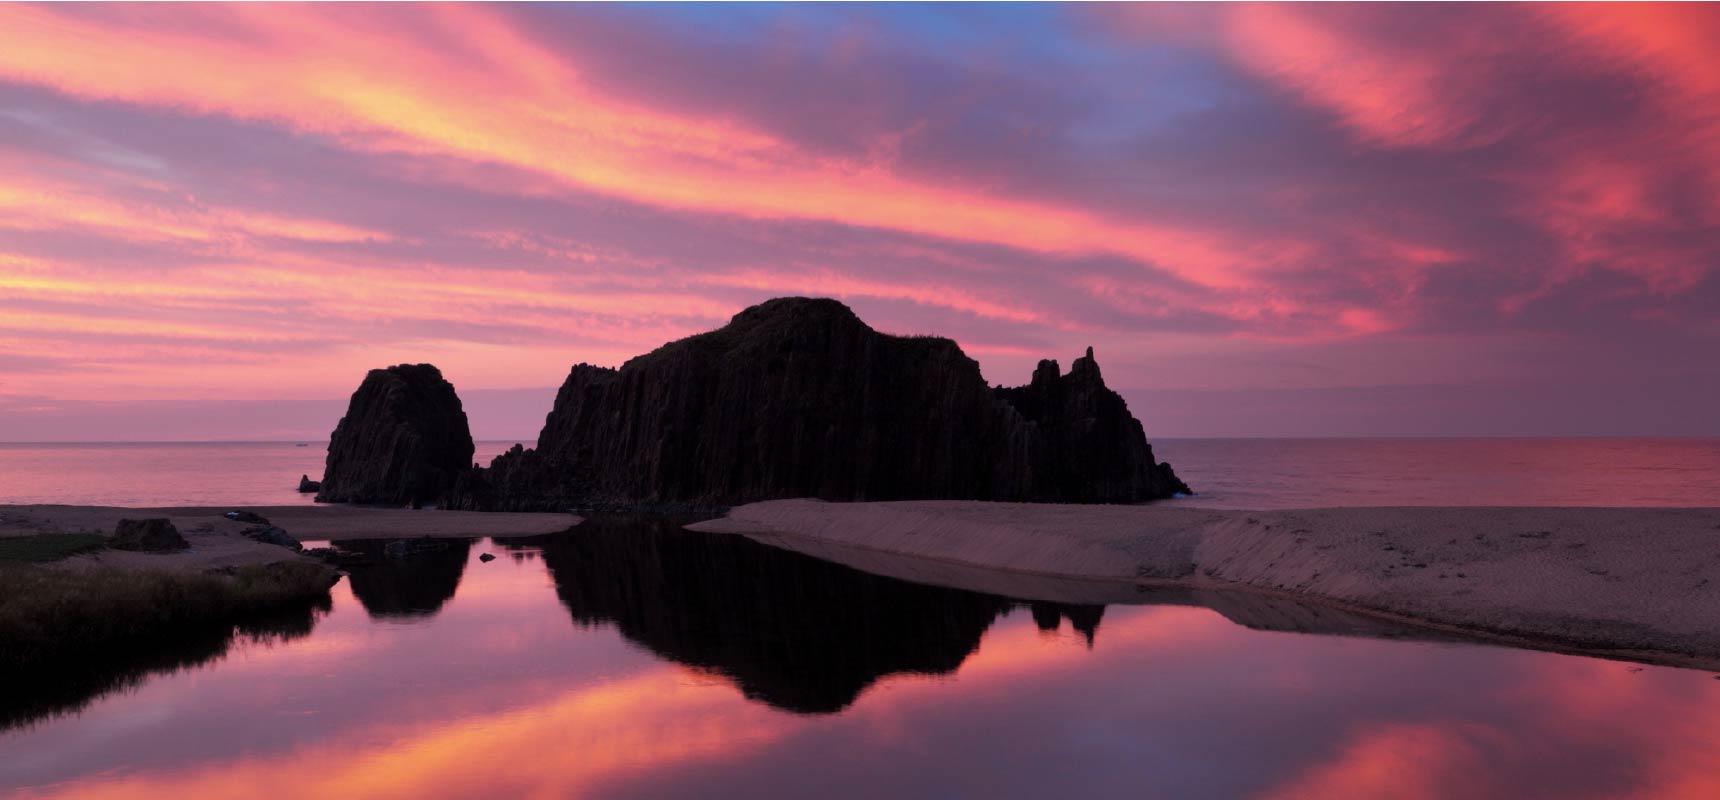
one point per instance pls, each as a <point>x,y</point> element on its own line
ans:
<point>360,76</point>
<point>1386,96</point>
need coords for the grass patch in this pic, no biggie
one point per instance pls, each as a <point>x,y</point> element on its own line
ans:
<point>68,637</point>
<point>48,615</point>
<point>44,547</point>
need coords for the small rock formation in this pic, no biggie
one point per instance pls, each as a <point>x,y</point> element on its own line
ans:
<point>248,517</point>
<point>486,558</point>
<point>404,440</point>
<point>307,486</point>
<point>155,535</point>
<point>269,534</point>
<point>798,397</point>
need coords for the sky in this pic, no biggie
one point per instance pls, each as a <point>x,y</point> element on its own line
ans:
<point>1267,220</point>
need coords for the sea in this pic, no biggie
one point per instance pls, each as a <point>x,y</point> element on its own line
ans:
<point>1225,473</point>
<point>631,658</point>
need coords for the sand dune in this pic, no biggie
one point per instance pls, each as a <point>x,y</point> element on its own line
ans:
<point>1630,582</point>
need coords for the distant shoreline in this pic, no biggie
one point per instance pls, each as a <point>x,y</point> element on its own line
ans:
<point>1640,584</point>
<point>528,439</point>
<point>216,542</point>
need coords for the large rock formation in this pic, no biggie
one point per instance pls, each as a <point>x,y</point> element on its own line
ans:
<point>797,397</point>
<point>404,440</point>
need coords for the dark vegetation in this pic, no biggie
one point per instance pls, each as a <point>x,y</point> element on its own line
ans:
<point>69,636</point>
<point>46,547</point>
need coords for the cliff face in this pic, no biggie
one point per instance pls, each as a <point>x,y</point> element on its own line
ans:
<point>797,397</point>
<point>404,440</point>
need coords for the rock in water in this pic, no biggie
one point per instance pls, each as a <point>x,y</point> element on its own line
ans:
<point>404,440</point>
<point>156,535</point>
<point>306,485</point>
<point>798,397</point>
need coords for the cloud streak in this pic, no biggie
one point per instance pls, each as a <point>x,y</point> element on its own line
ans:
<point>198,200</point>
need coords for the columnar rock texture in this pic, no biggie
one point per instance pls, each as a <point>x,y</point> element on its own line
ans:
<point>797,397</point>
<point>404,440</point>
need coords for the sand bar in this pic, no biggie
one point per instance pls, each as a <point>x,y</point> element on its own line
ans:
<point>1629,582</point>
<point>215,540</point>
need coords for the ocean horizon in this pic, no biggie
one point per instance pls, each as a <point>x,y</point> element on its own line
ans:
<point>1236,473</point>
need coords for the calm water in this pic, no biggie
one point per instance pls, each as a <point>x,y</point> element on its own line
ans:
<point>1232,473</point>
<point>151,474</point>
<point>629,658</point>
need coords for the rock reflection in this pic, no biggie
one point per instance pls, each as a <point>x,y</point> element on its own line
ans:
<point>406,580</point>
<point>1084,619</point>
<point>792,631</point>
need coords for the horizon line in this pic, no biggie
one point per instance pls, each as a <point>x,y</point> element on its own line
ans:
<point>1185,438</point>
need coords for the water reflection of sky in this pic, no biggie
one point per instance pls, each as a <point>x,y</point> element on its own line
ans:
<point>499,694</point>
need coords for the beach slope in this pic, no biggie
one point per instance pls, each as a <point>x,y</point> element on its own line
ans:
<point>1635,583</point>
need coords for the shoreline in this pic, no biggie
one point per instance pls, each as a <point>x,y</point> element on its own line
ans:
<point>1637,584</point>
<point>216,542</point>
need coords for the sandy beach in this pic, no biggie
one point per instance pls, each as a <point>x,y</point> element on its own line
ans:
<point>1635,583</point>
<point>216,543</point>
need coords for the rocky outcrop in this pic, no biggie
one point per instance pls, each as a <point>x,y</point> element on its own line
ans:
<point>269,534</point>
<point>1088,448</point>
<point>404,440</point>
<point>308,486</point>
<point>798,397</point>
<point>156,535</point>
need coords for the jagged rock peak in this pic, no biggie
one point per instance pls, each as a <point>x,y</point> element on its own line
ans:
<point>1046,373</point>
<point>1086,368</point>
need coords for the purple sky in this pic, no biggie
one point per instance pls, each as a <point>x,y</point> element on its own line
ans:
<point>1270,220</point>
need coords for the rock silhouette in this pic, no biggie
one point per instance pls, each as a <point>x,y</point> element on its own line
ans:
<point>404,440</point>
<point>405,582</point>
<point>1089,448</point>
<point>798,397</point>
<point>154,535</point>
<point>789,630</point>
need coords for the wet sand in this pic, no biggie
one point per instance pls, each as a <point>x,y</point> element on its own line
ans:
<point>216,543</point>
<point>1637,583</point>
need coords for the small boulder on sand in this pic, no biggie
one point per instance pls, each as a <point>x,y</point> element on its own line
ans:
<point>269,534</point>
<point>155,535</point>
